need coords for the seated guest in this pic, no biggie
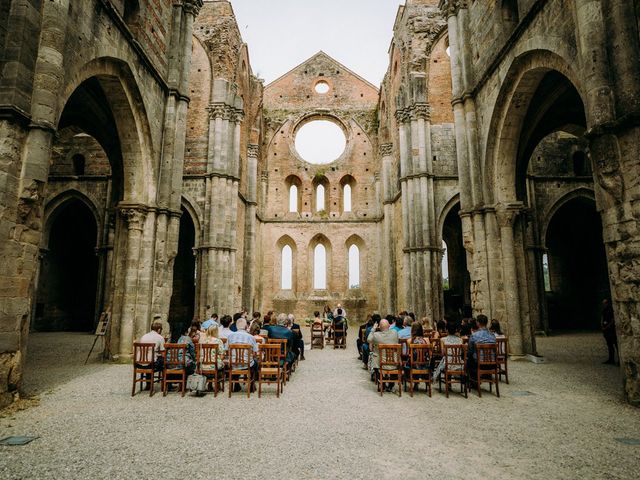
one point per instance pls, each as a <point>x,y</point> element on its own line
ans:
<point>451,339</point>
<point>241,336</point>
<point>212,320</point>
<point>366,350</point>
<point>187,339</point>
<point>236,317</point>
<point>194,332</point>
<point>417,335</point>
<point>481,335</point>
<point>297,331</point>
<point>255,317</point>
<point>382,337</point>
<point>317,319</point>
<point>495,328</point>
<point>397,322</point>
<point>361,329</point>
<point>427,325</point>
<point>225,321</point>
<point>339,321</point>
<point>405,332</point>
<point>210,337</point>
<point>254,330</point>
<point>465,329</point>
<point>473,326</point>
<point>281,331</point>
<point>158,340</point>
<point>441,328</point>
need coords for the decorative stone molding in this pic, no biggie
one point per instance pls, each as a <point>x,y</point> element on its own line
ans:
<point>452,7</point>
<point>236,115</point>
<point>219,110</point>
<point>420,111</point>
<point>386,149</point>
<point>192,6</point>
<point>506,213</point>
<point>135,217</point>
<point>253,150</point>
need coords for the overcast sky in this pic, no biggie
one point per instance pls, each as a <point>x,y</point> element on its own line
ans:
<point>283,33</point>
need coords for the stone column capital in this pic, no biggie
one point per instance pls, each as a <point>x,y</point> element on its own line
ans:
<point>420,111</point>
<point>134,216</point>
<point>219,110</point>
<point>253,150</point>
<point>452,7</point>
<point>192,6</point>
<point>236,115</point>
<point>386,149</point>
<point>506,213</point>
<point>403,115</point>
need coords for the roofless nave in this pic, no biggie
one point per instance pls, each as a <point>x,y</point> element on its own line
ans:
<point>140,153</point>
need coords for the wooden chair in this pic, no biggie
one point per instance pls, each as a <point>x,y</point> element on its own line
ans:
<point>240,356</point>
<point>317,336</point>
<point>404,343</point>
<point>419,367</point>
<point>288,369</point>
<point>390,370</point>
<point>488,370</point>
<point>503,354</point>
<point>340,335</point>
<point>436,351</point>
<point>271,367</point>
<point>207,356</point>
<point>455,370</point>
<point>175,365</point>
<point>143,363</point>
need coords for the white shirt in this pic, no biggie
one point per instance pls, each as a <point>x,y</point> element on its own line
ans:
<point>224,332</point>
<point>155,338</point>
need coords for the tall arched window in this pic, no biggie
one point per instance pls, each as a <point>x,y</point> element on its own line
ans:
<point>293,198</point>
<point>445,266</point>
<point>346,198</point>
<point>320,200</point>
<point>286,277</point>
<point>319,267</point>
<point>354,266</point>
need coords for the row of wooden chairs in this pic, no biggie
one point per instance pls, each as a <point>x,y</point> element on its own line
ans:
<point>272,366</point>
<point>337,335</point>
<point>419,362</point>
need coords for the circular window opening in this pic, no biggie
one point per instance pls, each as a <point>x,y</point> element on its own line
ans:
<point>320,141</point>
<point>322,87</point>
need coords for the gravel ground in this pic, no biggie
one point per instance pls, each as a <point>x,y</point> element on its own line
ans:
<point>330,423</point>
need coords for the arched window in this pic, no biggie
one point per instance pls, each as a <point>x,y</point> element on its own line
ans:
<point>445,266</point>
<point>320,267</point>
<point>286,277</point>
<point>320,200</point>
<point>346,198</point>
<point>293,198</point>
<point>354,266</point>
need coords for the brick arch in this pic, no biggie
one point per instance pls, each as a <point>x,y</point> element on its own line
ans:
<point>124,100</point>
<point>439,82</point>
<point>511,107</point>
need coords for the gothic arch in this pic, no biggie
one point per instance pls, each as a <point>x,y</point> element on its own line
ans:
<point>286,241</point>
<point>453,201</point>
<point>518,89</point>
<point>112,80</point>
<point>581,192</point>
<point>320,239</point>
<point>194,212</point>
<point>56,205</point>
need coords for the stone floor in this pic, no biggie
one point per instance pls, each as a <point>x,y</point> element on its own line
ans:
<point>330,423</point>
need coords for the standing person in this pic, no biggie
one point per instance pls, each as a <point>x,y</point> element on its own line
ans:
<point>608,325</point>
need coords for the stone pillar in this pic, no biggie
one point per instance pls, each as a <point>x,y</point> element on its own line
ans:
<point>389,230</point>
<point>249,260</point>
<point>135,220</point>
<point>506,215</point>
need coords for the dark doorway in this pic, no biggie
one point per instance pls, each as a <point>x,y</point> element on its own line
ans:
<point>456,280</point>
<point>577,267</point>
<point>182,305</point>
<point>69,272</point>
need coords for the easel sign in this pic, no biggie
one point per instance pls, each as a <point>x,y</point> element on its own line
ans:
<point>103,324</point>
<point>101,331</point>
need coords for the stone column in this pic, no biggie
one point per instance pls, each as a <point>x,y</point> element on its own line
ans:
<point>249,260</point>
<point>135,220</point>
<point>506,215</point>
<point>389,230</point>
